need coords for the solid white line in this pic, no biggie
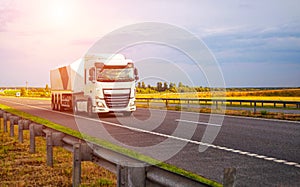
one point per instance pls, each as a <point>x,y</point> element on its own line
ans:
<point>197,122</point>
<point>230,116</point>
<point>263,157</point>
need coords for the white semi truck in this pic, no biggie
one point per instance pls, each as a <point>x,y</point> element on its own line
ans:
<point>96,83</point>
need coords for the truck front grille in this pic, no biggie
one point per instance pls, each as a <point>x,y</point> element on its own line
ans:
<point>116,98</point>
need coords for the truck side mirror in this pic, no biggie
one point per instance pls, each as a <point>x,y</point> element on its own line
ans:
<point>136,74</point>
<point>92,74</point>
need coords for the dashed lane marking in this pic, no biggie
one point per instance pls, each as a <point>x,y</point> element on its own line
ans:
<point>197,122</point>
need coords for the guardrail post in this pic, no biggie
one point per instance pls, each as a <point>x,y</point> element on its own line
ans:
<point>49,148</point>
<point>23,125</point>
<point>167,104</point>
<point>81,152</point>
<point>76,173</point>
<point>1,116</point>
<point>5,119</point>
<point>254,109</point>
<point>121,173</point>
<point>128,176</point>
<point>13,121</point>
<point>52,139</point>
<point>35,130</point>
<point>229,177</point>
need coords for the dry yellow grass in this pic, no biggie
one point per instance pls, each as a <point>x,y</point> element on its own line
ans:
<point>19,168</point>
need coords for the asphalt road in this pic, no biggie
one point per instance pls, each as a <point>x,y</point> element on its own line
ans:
<point>264,152</point>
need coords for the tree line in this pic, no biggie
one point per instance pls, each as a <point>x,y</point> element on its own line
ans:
<point>141,88</point>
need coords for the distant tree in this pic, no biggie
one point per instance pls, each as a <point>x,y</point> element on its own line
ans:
<point>47,88</point>
<point>159,86</point>
<point>139,85</point>
<point>165,86</point>
<point>143,85</point>
<point>23,92</point>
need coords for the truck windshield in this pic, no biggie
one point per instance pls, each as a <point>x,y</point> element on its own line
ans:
<point>115,74</point>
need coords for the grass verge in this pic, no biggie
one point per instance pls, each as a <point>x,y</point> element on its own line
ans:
<point>19,168</point>
<point>110,146</point>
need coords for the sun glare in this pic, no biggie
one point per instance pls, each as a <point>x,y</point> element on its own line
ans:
<point>58,12</point>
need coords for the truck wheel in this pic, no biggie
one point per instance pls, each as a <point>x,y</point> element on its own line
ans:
<point>53,105</point>
<point>59,108</point>
<point>127,113</point>
<point>90,109</point>
<point>75,109</point>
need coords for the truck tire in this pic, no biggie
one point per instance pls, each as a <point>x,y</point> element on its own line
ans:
<point>59,108</point>
<point>53,107</point>
<point>90,109</point>
<point>75,109</point>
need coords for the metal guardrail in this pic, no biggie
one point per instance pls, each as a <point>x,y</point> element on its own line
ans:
<point>217,102</point>
<point>127,176</point>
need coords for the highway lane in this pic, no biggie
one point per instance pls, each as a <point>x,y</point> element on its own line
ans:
<point>265,152</point>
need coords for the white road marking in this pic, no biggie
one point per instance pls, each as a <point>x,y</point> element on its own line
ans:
<point>197,122</point>
<point>230,116</point>
<point>263,157</point>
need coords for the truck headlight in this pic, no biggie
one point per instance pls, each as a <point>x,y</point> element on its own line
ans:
<point>131,103</point>
<point>100,104</point>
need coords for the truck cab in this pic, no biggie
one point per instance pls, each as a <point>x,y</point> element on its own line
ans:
<point>105,83</point>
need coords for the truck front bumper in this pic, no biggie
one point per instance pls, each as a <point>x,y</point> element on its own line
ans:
<point>101,107</point>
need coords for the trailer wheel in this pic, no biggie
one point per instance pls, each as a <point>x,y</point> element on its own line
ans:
<point>53,105</point>
<point>59,108</point>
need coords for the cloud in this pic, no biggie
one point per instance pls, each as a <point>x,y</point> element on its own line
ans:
<point>8,13</point>
<point>277,44</point>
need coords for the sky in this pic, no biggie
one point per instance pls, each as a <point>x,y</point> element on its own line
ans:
<point>254,43</point>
